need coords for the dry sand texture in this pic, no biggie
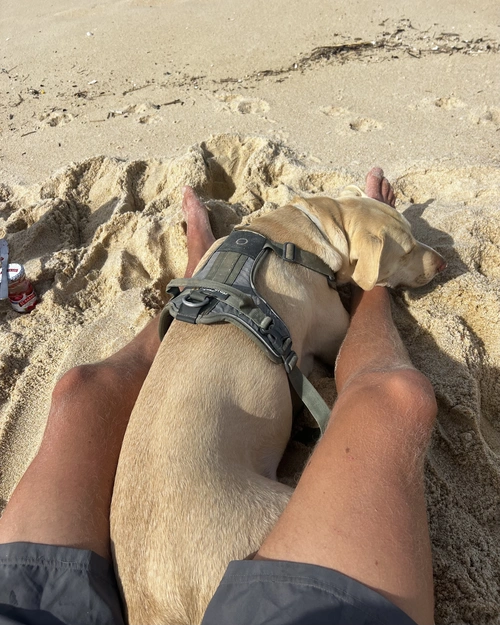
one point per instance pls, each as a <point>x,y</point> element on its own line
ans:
<point>140,81</point>
<point>346,83</point>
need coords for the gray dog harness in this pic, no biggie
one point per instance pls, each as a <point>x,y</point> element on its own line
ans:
<point>223,290</point>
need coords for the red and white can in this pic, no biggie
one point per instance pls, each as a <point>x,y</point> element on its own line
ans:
<point>22,295</point>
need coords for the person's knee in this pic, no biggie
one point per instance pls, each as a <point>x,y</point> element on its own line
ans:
<point>408,397</point>
<point>403,399</point>
<point>83,383</point>
<point>413,393</point>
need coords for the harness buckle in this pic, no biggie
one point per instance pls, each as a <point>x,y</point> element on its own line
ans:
<point>282,345</point>
<point>265,323</point>
<point>288,356</point>
<point>290,361</point>
<point>289,252</point>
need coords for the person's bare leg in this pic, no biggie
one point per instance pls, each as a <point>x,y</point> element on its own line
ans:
<point>359,507</point>
<point>65,495</point>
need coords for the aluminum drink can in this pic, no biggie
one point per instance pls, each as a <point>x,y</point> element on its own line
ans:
<point>22,295</point>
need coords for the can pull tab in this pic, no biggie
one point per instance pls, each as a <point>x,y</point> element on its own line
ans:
<point>4,257</point>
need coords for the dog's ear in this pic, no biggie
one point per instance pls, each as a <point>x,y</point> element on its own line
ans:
<point>368,256</point>
<point>352,191</point>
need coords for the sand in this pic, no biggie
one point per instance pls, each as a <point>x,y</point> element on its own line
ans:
<point>107,111</point>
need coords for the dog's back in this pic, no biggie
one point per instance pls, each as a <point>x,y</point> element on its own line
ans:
<point>213,419</point>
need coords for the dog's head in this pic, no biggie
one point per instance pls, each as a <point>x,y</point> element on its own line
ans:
<point>373,241</point>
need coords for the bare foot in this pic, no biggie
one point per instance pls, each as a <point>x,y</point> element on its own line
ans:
<point>379,188</point>
<point>198,231</point>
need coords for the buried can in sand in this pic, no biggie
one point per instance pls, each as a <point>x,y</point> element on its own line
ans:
<point>21,294</point>
<point>15,287</point>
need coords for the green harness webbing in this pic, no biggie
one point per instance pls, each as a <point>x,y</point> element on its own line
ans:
<point>223,290</point>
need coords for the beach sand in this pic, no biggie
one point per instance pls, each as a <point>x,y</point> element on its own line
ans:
<point>106,111</point>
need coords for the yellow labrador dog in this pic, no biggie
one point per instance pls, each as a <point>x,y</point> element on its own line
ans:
<point>196,482</point>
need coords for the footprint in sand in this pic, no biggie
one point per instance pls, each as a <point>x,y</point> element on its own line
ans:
<point>359,124</point>
<point>281,136</point>
<point>364,124</point>
<point>488,115</point>
<point>56,117</point>
<point>245,106</point>
<point>449,102</point>
<point>334,111</point>
<point>146,113</point>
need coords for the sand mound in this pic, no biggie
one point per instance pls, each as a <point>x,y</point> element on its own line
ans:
<point>101,239</point>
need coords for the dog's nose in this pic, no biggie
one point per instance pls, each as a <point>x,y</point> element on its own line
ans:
<point>442,266</point>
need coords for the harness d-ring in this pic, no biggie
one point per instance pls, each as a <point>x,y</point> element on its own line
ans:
<point>191,304</point>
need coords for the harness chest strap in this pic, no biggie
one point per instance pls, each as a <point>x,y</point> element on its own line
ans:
<point>223,290</point>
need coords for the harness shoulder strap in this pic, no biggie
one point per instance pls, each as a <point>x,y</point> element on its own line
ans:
<point>289,252</point>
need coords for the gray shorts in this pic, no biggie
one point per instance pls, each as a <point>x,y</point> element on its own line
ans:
<point>50,585</point>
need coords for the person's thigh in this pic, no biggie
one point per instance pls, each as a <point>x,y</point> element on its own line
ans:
<point>51,585</point>
<point>263,592</point>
